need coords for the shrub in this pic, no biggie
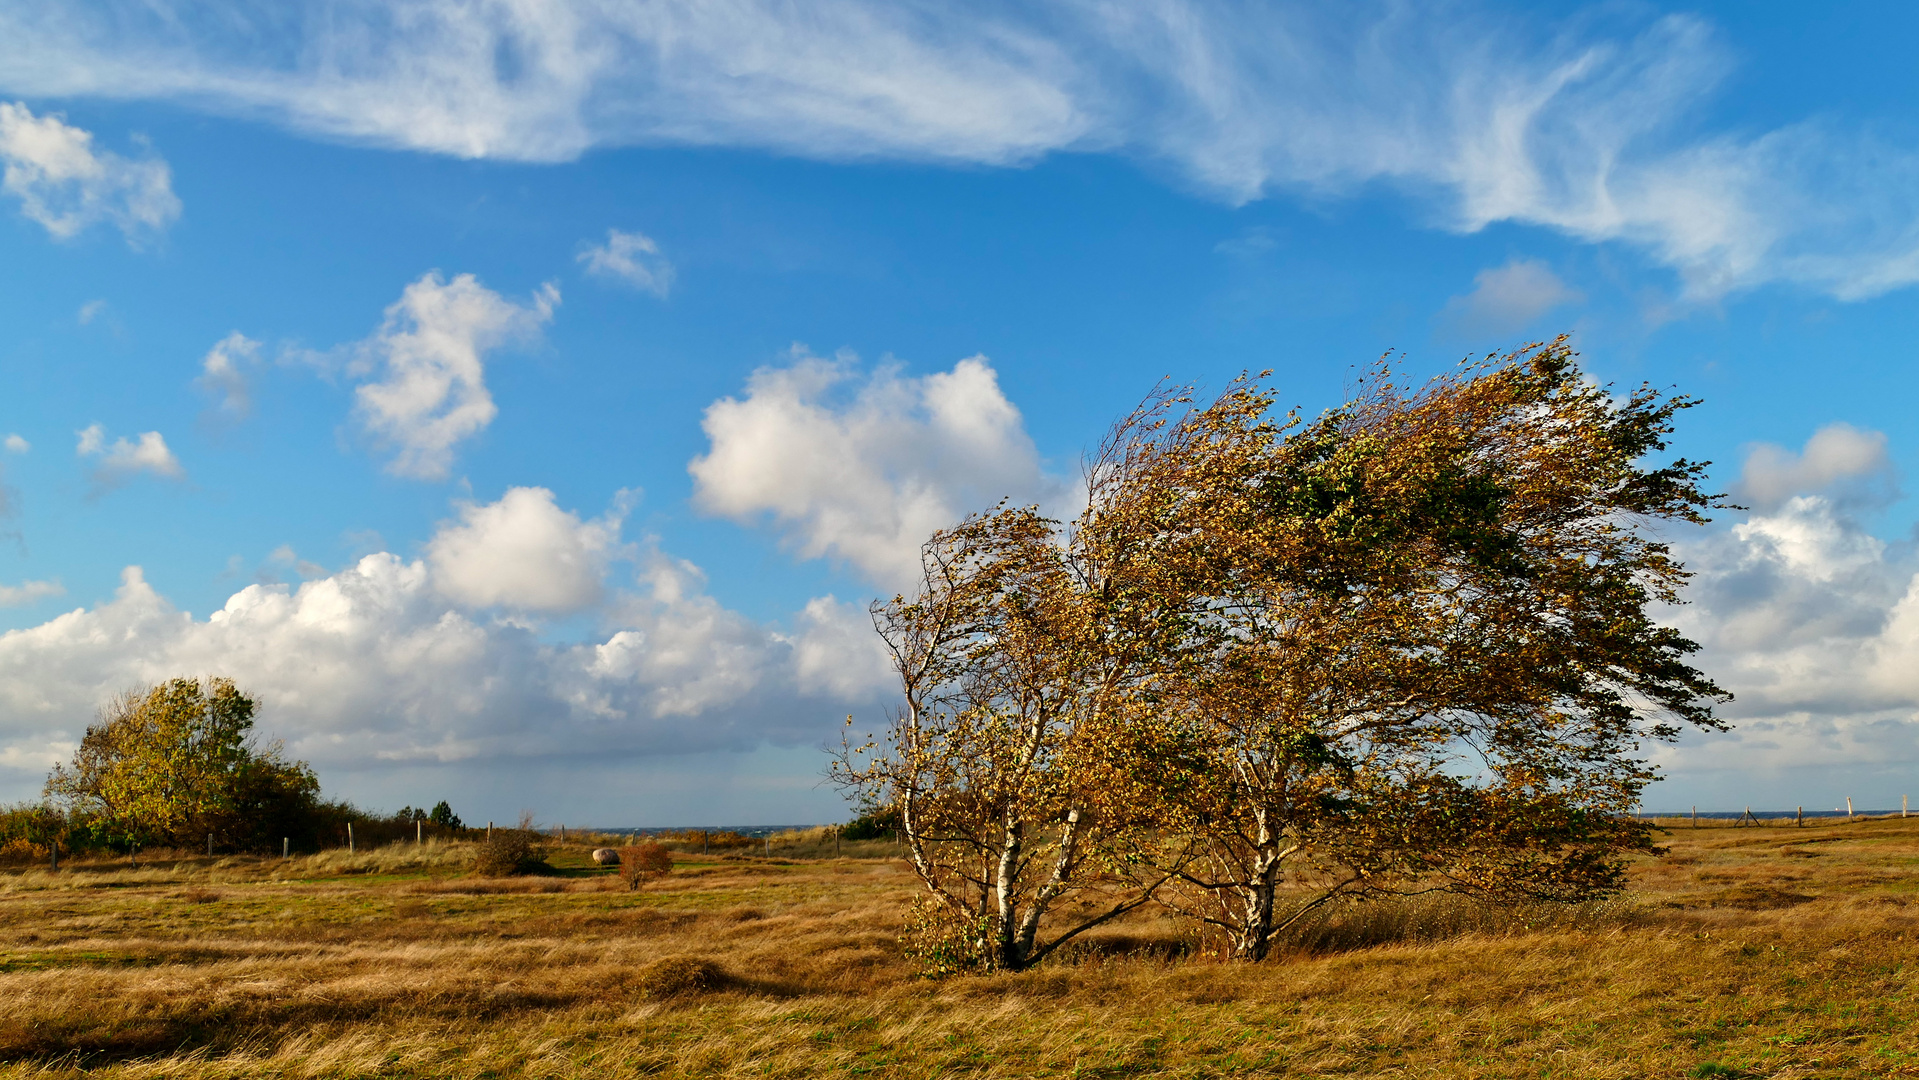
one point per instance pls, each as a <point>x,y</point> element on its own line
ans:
<point>880,823</point>
<point>512,853</point>
<point>642,863</point>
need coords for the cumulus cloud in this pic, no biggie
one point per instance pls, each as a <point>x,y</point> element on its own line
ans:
<point>17,445</point>
<point>426,376</point>
<point>630,257</point>
<point>1583,126</point>
<point>28,592</point>
<point>89,311</point>
<point>1813,623</point>
<point>864,469</point>
<point>1837,455</point>
<point>224,373</point>
<point>121,460</point>
<point>525,553</point>
<point>374,665</point>
<point>65,184</point>
<point>1506,299</point>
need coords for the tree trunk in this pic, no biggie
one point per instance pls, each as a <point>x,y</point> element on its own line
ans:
<point>1005,889</point>
<point>1254,939</point>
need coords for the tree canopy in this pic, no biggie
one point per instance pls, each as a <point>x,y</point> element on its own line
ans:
<point>172,763</point>
<point>1407,646</point>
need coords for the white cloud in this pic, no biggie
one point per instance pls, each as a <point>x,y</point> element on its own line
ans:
<point>1813,624</point>
<point>1835,455</point>
<point>284,555</point>
<point>1582,126</point>
<point>428,389</point>
<point>868,476</point>
<point>28,592</point>
<point>633,258</point>
<point>1506,299</point>
<point>65,185</point>
<point>119,461</point>
<point>525,553</point>
<point>373,666</point>
<point>223,373</point>
<point>89,311</point>
<point>17,445</point>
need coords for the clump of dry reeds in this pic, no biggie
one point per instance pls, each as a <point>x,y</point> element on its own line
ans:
<point>677,976</point>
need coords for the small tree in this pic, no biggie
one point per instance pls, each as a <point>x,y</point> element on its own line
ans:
<point>1016,761</point>
<point>171,763</point>
<point>645,862</point>
<point>444,816</point>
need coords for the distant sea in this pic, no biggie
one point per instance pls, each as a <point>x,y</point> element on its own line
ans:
<point>1760,814</point>
<point>649,830</point>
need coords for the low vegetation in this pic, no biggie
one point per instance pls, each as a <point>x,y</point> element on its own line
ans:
<point>1754,952</point>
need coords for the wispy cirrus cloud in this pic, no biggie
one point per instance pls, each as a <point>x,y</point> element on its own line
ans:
<point>1586,126</point>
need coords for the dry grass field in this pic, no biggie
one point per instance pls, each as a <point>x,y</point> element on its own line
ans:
<point>1758,952</point>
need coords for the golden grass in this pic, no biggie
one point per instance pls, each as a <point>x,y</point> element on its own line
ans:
<point>1775,952</point>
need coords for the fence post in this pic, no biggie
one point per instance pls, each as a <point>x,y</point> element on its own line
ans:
<point>1848,808</point>
<point>286,847</point>
<point>489,830</point>
<point>209,845</point>
<point>1902,806</point>
<point>1695,817</point>
<point>349,837</point>
<point>419,833</point>
<point>1799,816</point>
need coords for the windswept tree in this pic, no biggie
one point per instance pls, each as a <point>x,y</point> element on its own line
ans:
<point>170,764</point>
<point>1017,761</point>
<point>1428,660</point>
<point>1406,647</point>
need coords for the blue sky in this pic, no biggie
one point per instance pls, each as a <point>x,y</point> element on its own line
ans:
<point>540,392</point>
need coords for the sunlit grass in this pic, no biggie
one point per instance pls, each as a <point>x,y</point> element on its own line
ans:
<point>1779,952</point>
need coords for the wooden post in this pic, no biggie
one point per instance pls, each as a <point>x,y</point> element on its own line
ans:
<point>836,842</point>
<point>489,830</point>
<point>349,837</point>
<point>55,845</point>
<point>1902,806</point>
<point>286,847</point>
<point>1695,817</point>
<point>419,832</point>
<point>1848,808</point>
<point>1799,817</point>
<point>209,845</point>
